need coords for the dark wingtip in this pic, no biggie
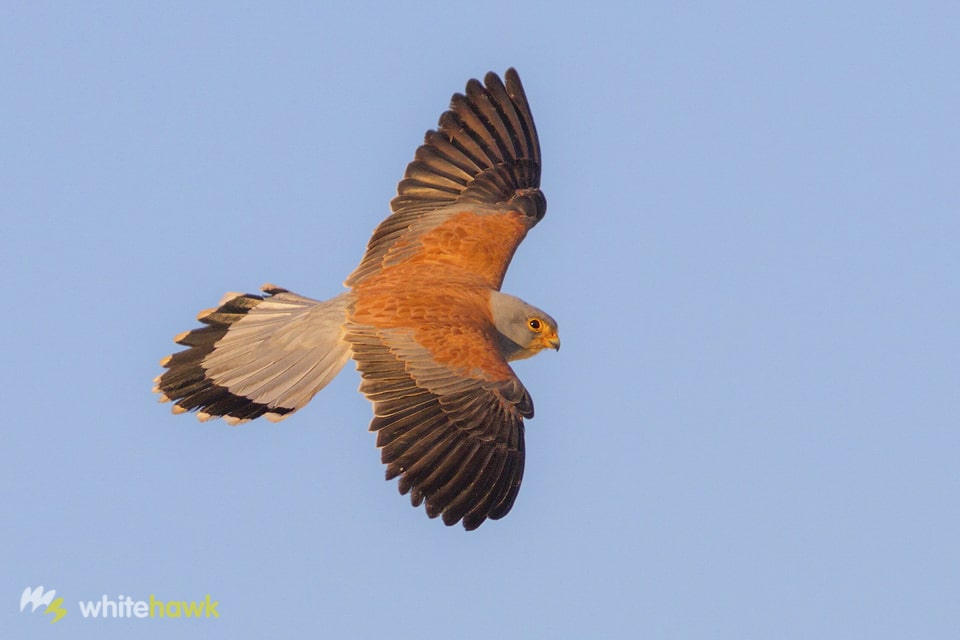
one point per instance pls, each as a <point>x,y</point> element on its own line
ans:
<point>488,128</point>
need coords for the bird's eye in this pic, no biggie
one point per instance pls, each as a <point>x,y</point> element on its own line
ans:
<point>535,324</point>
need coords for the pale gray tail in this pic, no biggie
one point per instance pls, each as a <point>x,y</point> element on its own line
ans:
<point>258,356</point>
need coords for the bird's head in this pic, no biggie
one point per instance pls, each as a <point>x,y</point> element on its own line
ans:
<point>524,330</point>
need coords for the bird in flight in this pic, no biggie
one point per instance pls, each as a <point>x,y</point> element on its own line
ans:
<point>423,318</point>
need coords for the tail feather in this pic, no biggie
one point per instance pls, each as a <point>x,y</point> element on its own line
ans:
<point>258,356</point>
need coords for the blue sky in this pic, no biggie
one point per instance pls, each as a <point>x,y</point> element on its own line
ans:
<point>751,247</point>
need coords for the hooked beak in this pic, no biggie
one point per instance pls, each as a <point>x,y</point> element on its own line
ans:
<point>552,341</point>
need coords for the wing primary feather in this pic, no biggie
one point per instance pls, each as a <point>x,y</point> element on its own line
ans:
<point>477,512</point>
<point>490,120</point>
<point>477,490</point>
<point>513,475</point>
<point>512,129</point>
<point>460,471</point>
<point>434,471</point>
<point>515,90</point>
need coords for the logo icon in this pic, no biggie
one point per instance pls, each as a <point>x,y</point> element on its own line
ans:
<point>37,596</point>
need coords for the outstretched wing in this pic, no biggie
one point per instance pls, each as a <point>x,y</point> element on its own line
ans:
<point>455,440</point>
<point>477,176</point>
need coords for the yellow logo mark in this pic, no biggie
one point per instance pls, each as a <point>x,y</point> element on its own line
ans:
<point>56,608</point>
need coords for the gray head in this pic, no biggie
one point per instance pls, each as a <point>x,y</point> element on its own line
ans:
<point>524,330</point>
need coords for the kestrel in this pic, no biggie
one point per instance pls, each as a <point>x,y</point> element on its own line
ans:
<point>424,319</point>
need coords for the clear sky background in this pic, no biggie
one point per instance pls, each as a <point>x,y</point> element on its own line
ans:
<point>751,247</point>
